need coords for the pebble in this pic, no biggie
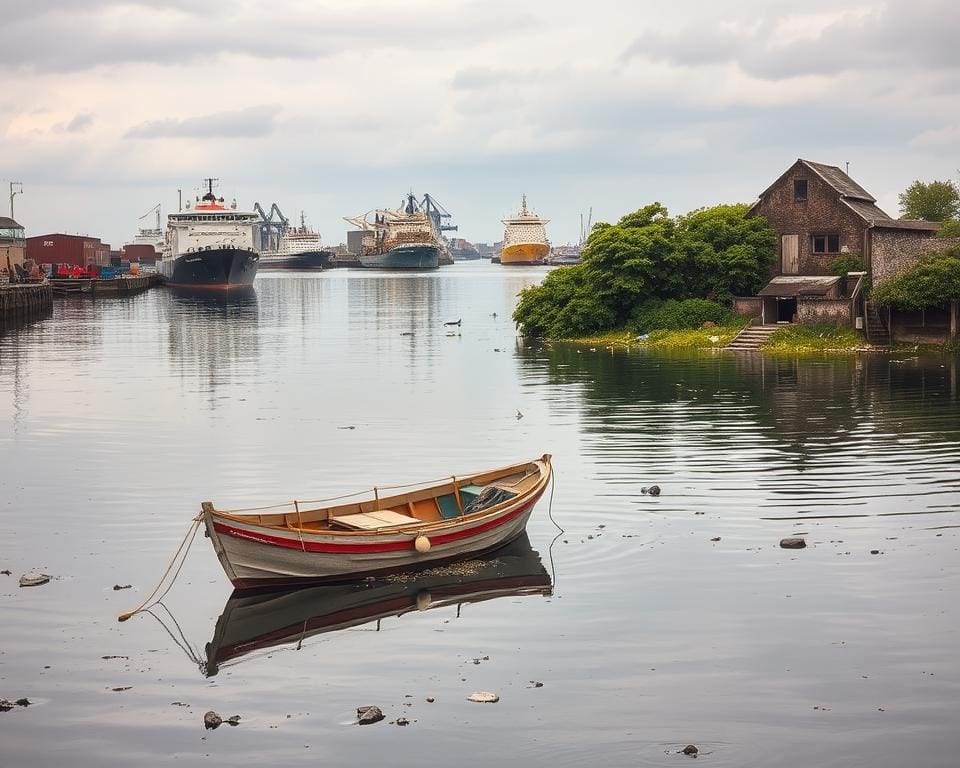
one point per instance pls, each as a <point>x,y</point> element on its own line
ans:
<point>483,697</point>
<point>34,581</point>
<point>368,715</point>
<point>793,542</point>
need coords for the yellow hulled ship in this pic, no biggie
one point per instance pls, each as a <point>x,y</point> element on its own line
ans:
<point>525,238</point>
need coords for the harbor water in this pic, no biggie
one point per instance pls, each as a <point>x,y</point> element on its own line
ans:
<point>668,620</point>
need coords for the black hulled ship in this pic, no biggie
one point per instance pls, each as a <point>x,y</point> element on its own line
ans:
<point>210,245</point>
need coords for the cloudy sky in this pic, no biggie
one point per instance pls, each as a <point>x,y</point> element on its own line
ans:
<point>336,107</point>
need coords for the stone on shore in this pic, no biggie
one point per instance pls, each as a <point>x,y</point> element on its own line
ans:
<point>34,580</point>
<point>368,715</point>
<point>483,697</point>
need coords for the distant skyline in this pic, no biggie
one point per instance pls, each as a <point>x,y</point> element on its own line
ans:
<point>334,108</point>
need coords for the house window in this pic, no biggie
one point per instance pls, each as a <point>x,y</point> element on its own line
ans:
<point>826,243</point>
<point>800,190</point>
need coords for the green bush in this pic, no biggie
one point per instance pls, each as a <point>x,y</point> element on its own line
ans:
<point>934,281</point>
<point>846,262</point>
<point>673,315</point>
<point>710,253</point>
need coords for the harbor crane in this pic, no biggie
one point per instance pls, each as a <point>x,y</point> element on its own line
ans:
<point>156,210</point>
<point>437,213</point>
<point>271,230</point>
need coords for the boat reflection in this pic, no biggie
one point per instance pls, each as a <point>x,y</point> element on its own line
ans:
<point>255,622</point>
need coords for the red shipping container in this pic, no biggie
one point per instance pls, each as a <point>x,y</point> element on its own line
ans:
<point>67,249</point>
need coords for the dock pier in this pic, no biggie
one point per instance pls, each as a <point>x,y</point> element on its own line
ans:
<point>25,302</point>
<point>115,286</point>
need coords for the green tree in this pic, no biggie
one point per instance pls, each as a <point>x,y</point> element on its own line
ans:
<point>936,201</point>
<point>723,252</point>
<point>934,281</point>
<point>949,229</point>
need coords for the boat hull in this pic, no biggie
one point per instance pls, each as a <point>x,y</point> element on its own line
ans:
<point>524,253</point>
<point>256,556</point>
<point>307,260</point>
<point>222,268</point>
<point>412,256</point>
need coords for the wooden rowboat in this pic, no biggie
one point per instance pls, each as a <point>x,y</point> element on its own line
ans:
<point>429,523</point>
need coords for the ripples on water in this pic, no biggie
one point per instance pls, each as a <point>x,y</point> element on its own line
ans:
<point>120,416</point>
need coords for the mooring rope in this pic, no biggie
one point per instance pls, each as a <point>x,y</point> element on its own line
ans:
<point>553,483</point>
<point>184,548</point>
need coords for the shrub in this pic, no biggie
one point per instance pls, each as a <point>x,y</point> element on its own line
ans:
<point>846,262</point>
<point>934,281</point>
<point>949,229</point>
<point>673,315</point>
<point>562,306</point>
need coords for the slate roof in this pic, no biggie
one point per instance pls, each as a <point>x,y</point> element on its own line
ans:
<point>799,285</point>
<point>837,179</point>
<point>7,223</point>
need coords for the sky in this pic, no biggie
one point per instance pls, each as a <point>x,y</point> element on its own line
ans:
<point>334,108</point>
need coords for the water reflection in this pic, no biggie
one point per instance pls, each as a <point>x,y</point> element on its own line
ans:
<point>251,623</point>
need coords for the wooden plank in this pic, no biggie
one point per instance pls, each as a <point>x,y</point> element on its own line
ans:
<point>371,521</point>
<point>789,254</point>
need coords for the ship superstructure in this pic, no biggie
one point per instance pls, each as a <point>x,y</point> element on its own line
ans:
<point>524,238</point>
<point>210,245</point>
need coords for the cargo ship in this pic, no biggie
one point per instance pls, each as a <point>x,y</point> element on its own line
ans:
<point>525,238</point>
<point>210,245</point>
<point>399,239</point>
<point>298,248</point>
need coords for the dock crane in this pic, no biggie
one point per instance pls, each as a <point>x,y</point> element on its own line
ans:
<point>270,226</point>
<point>437,214</point>
<point>585,230</point>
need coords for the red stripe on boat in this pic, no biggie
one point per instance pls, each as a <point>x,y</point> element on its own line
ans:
<point>388,546</point>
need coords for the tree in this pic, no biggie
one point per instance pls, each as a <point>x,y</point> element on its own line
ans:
<point>936,201</point>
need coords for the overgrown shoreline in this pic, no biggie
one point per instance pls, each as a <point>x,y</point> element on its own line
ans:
<point>789,340</point>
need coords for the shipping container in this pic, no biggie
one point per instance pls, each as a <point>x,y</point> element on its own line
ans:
<point>67,249</point>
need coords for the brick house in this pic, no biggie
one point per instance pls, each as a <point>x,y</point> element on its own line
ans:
<point>820,213</point>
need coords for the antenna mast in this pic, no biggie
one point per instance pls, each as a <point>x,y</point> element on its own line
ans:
<point>14,193</point>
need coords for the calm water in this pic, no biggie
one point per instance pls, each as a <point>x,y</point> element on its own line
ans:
<point>118,417</point>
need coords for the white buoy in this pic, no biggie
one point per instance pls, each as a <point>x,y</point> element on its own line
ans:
<point>422,544</point>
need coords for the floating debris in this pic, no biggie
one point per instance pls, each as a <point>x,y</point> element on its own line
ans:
<point>402,721</point>
<point>793,542</point>
<point>653,490</point>
<point>368,715</point>
<point>455,322</point>
<point>519,415</point>
<point>6,572</point>
<point>715,538</point>
<point>348,426</point>
<point>121,688</point>
<point>689,750</point>
<point>34,580</point>
<point>483,697</point>
<point>117,587</point>
<point>535,684</point>
<point>233,720</point>
<point>430,699</point>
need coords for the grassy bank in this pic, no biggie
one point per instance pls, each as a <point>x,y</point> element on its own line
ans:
<point>699,338</point>
<point>814,338</point>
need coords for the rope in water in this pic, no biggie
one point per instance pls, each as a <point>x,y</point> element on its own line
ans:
<point>553,570</point>
<point>183,548</point>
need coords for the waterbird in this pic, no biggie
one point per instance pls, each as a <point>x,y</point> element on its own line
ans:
<point>519,415</point>
<point>454,322</point>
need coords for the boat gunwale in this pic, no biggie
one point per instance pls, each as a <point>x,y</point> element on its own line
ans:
<point>407,529</point>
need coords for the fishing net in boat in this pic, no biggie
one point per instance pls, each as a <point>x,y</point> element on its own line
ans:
<point>490,496</point>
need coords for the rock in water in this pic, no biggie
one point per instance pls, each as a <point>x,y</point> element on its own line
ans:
<point>5,706</point>
<point>34,580</point>
<point>367,715</point>
<point>690,750</point>
<point>483,697</point>
<point>402,721</point>
<point>793,542</point>
<point>234,720</point>
<point>654,490</point>
<point>211,720</point>
<point>24,702</point>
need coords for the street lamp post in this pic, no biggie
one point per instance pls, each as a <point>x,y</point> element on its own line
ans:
<point>14,193</point>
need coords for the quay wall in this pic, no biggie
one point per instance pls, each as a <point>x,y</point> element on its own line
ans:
<point>24,302</point>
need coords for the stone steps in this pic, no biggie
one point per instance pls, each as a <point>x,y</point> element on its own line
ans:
<point>752,337</point>
<point>877,331</point>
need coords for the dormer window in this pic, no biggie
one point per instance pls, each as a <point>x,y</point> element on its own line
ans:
<point>800,190</point>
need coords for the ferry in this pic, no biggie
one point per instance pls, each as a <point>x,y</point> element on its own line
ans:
<point>210,246</point>
<point>525,238</point>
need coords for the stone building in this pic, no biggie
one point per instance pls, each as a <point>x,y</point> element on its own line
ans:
<point>819,214</point>
<point>13,244</point>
